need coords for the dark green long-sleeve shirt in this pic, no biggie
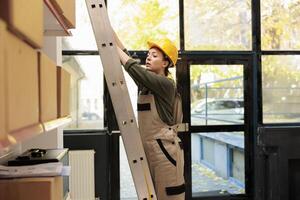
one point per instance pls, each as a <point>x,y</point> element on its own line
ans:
<point>161,87</point>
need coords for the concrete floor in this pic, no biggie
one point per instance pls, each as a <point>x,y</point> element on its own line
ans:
<point>204,181</point>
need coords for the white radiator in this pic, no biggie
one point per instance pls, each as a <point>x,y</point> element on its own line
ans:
<point>82,178</point>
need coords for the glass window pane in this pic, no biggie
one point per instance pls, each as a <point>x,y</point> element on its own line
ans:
<point>224,173</point>
<point>137,21</point>
<point>87,91</point>
<point>217,95</point>
<point>83,36</point>
<point>217,25</point>
<point>280,24</point>
<point>132,90</point>
<point>281,89</point>
<point>127,188</point>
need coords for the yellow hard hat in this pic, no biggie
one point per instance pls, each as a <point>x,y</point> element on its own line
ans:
<point>167,47</point>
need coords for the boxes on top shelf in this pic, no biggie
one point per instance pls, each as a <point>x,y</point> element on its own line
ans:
<point>25,19</point>
<point>63,90</point>
<point>3,132</point>
<point>68,11</point>
<point>21,72</point>
<point>47,88</point>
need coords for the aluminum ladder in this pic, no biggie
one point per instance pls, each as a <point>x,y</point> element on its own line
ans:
<point>120,99</point>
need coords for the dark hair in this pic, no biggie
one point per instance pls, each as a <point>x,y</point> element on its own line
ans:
<point>169,65</point>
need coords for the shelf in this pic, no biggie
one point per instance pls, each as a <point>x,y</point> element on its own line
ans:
<point>50,125</point>
<point>20,135</point>
<point>55,24</point>
<point>26,133</point>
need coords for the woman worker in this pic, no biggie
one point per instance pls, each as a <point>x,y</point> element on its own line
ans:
<point>157,116</point>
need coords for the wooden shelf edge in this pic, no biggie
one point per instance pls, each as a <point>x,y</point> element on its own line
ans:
<point>21,135</point>
<point>7,142</point>
<point>26,133</point>
<point>56,33</point>
<point>53,124</point>
<point>58,16</point>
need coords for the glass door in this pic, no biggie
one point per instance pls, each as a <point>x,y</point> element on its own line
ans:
<point>217,111</point>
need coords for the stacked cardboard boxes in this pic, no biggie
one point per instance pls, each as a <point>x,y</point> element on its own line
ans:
<point>67,10</point>
<point>3,131</point>
<point>21,36</point>
<point>31,89</point>
<point>48,88</point>
<point>25,19</point>
<point>63,97</point>
<point>21,68</point>
<point>46,188</point>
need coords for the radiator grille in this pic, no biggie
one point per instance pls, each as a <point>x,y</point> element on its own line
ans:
<point>82,179</point>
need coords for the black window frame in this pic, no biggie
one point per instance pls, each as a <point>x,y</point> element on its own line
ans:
<point>253,97</point>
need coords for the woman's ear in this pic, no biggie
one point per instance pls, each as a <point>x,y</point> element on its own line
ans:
<point>165,63</point>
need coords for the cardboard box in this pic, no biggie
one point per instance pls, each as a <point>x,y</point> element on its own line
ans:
<point>3,132</point>
<point>47,88</point>
<point>46,188</point>
<point>63,90</point>
<point>25,18</point>
<point>21,66</point>
<point>68,10</point>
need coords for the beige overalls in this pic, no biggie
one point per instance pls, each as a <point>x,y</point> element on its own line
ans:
<point>163,150</point>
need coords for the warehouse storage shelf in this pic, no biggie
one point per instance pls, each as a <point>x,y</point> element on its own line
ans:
<point>26,133</point>
<point>55,25</point>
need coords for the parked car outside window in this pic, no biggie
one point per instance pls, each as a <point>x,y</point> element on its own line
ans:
<point>90,116</point>
<point>218,111</point>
